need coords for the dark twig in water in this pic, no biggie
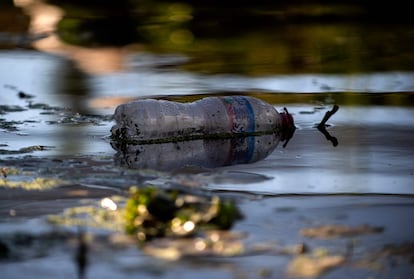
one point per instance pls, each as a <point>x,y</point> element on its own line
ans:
<point>322,126</point>
<point>328,115</point>
<point>81,257</point>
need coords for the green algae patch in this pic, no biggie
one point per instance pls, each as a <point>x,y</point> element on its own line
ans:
<point>151,213</point>
<point>28,180</point>
<point>91,216</point>
<point>38,183</point>
<point>176,218</point>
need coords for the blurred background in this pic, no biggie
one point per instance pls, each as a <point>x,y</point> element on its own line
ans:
<point>247,38</point>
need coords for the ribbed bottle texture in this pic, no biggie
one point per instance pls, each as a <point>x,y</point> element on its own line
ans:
<point>153,121</point>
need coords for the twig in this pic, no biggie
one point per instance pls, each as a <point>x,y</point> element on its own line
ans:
<point>328,115</point>
<point>322,126</point>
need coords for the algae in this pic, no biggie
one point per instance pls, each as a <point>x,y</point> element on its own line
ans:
<point>15,178</point>
<point>334,231</point>
<point>313,265</point>
<point>149,213</point>
<point>38,183</point>
<point>152,213</point>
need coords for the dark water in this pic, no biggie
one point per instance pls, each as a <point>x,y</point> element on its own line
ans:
<point>65,66</point>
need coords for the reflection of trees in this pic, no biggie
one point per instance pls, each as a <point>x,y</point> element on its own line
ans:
<point>97,23</point>
<point>249,37</point>
<point>252,37</point>
<point>13,25</point>
<point>44,19</point>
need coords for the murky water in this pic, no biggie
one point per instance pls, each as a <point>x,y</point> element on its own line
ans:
<point>58,92</point>
<point>373,154</point>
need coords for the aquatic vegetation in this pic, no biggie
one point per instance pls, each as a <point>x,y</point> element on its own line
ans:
<point>89,216</point>
<point>315,264</point>
<point>213,243</point>
<point>25,150</point>
<point>401,253</point>
<point>185,224</point>
<point>5,171</point>
<point>28,180</point>
<point>10,126</point>
<point>333,231</point>
<point>6,109</point>
<point>38,183</point>
<point>151,212</point>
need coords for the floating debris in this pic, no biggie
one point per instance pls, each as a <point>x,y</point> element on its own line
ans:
<point>379,260</point>
<point>322,125</point>
<point>149,213</point>
<point>92,216</point>
<point>23,95</point>
<point>14,178</point>
<point>5,109</point>
<point>39,183</point>
<point>24,150</point>
<point>152,212</point>
<point>333,231</point>
<point>6,171</point>
<point>109,204</point>
<point>42,106</point>
<point>315,264</point>
<point>10,126</point>
<point>226,117</point>
<point>215,243</point>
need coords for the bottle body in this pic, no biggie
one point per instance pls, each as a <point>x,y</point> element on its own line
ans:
<point>158,121</point>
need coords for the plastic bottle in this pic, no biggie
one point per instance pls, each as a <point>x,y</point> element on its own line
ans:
<point>152,121</point>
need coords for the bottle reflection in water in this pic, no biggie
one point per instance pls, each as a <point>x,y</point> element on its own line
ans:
<point>207,153</point>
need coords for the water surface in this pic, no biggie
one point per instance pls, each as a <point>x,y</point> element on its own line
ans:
<point>60,83</point>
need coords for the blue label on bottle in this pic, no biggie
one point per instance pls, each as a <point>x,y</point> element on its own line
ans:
<point>241,117</point>
<point>241,114</point>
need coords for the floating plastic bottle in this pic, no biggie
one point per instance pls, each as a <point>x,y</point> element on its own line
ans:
<point>158,121</point>
<point>211,132</point>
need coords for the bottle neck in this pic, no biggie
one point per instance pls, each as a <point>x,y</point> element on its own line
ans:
<point>288,126</point>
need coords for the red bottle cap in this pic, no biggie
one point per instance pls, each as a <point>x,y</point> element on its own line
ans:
<point>288,126</point>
